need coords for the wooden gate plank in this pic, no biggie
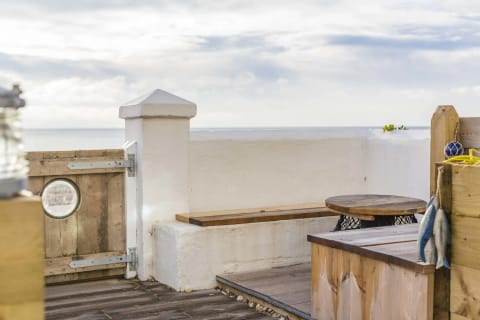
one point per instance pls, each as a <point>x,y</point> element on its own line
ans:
<point>92,214</point>
<point>115,207</point>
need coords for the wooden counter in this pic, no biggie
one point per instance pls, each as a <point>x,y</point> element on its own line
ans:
<point>370,274</point>
<point>21,259</point>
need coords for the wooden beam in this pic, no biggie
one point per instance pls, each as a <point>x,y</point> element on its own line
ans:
<point>443,125</point>
<point>470,132</point>
<point>240,217</point>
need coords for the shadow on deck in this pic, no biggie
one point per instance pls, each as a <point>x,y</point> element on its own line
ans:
<point>119,299</point>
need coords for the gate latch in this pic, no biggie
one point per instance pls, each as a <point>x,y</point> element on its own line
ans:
<point>130,259</point>
<point>129,164</point>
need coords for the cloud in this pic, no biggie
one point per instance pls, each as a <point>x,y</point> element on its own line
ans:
<point>48,68</point>
<point>244,63</point>
<point>404,43</point>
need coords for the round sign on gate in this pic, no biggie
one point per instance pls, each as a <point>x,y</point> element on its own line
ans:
<point>60,198</point>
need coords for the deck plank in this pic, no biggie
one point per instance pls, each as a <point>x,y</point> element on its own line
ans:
<point>131,299</point>
<point>284,287</point>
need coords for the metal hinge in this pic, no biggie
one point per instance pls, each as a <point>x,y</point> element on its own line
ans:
<point>130,164</point>
<point>130,259</point>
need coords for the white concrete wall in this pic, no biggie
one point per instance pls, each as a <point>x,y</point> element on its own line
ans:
<point>189,257</point>
<point>230,169</point>
<point>399,163</point>
<point>237,170</point>
<point>232,173</point>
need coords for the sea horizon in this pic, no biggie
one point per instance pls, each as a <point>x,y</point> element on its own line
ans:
<point>56,139</point>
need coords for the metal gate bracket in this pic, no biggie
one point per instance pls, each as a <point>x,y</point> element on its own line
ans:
<point>130,259</point>
<point>129,164</point>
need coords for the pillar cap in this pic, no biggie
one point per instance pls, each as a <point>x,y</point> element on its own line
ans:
<point>158,104</point>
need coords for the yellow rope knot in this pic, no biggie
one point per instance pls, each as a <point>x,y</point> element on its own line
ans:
<point>466,159</point>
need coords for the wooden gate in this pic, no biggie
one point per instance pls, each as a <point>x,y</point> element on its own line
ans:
<point>96,229</point>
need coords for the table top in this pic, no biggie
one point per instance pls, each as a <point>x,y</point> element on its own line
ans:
<point>392,244</point>
<point>375,205</point>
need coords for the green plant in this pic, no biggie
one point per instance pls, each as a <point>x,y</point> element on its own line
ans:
<point>392,127</point>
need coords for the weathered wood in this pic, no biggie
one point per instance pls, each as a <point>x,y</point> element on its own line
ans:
<point>369,236</point>
<point>97,226</point>
<point>466,190</point>
<point>285,289</point>
<point>395,245</point>
<point>61,265</point>
<point>466,241</point>
<point>115,203</point>
<point>55,163</point>
<point>446,187</point>
<point>85,275</point>
<point>465,292</point>
<point>21,259</point>
<point>373,204</point>
<point>252,217</point>
<point>443,125</point>
<point>92,215</point>
<point>441,301</point>
<point>129,299</point>
<point>347,285</point>
<point>247,215</point>
<point>470,132</point>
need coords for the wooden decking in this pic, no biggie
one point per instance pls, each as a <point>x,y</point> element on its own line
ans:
<point>117,299</point>
<point>284,288</point>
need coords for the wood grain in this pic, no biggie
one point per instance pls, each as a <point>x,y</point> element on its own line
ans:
<point>470,132</point>
<point>374,204</point>
<point>394,245</point>
<point>61,265</point>
<point>21,259</point>
<point>465,292</point>
<point>347,285</point>
<point>442,130</point>
<point>131,299</point>
<point>253,217</point>
<point>466,190</point>
<point>286,289</point>
<point>55,163</point>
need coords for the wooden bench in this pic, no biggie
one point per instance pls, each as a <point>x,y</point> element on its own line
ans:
<point>242,216</point>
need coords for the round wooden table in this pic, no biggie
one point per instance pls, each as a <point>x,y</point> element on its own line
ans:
<point>374,209</point>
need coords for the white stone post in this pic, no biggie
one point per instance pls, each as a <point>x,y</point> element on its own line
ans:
<point>160,124</point>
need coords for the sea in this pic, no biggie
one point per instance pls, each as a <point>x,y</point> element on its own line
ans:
<point>102,138</point>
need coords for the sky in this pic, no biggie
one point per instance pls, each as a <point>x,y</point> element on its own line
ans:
<point>267,63</point>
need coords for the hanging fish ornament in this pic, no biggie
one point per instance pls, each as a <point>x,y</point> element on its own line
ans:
<point>432,256</point>
<point>441,234</point>
<point>426,227</point>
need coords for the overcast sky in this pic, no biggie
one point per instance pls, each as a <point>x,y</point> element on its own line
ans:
<point>244,63</point>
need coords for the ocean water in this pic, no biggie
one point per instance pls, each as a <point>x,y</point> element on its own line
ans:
<point>72,139</point>
<point>87,139</point>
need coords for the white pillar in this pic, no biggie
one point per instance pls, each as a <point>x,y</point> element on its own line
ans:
<point>160,124</point>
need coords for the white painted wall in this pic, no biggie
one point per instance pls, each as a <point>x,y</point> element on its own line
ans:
<point>231,172</point>
<point>189,257</point>
<point>232,169</point>
<point>399,163</point>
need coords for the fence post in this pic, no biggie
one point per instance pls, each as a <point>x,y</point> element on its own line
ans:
<point>442,130</point>
<point>160,124</point>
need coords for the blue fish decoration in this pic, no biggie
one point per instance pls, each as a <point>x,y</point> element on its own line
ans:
<point>441,234</point>
<point>426,227</point>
